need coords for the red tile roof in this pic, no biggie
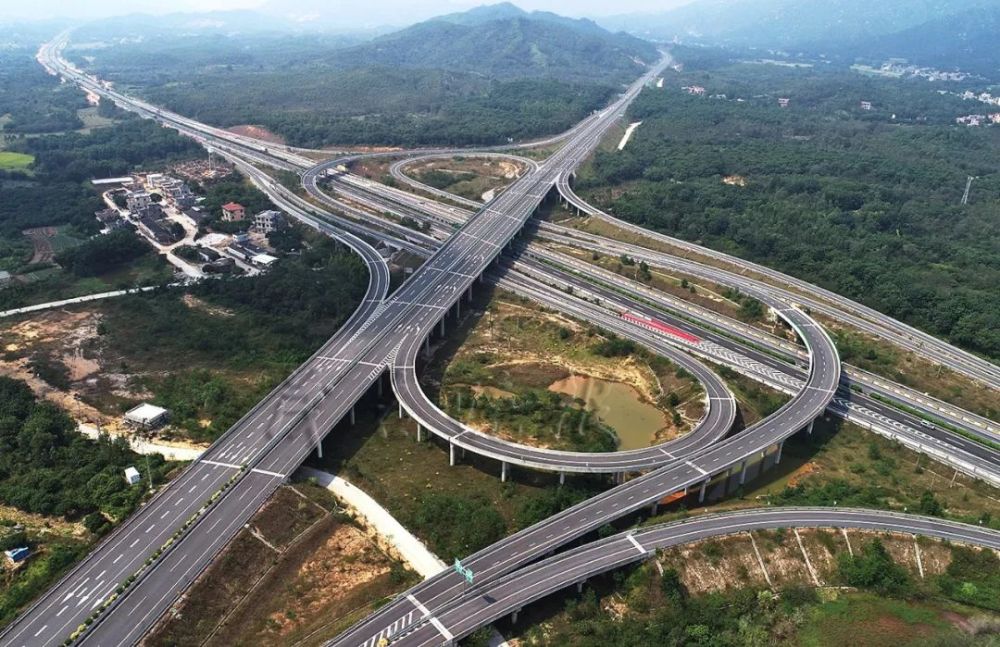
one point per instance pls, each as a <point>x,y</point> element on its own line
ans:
<point>232,206</point>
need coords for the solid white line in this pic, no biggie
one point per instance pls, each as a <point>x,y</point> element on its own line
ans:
<point>274,474</point>
<point>636,543</point>
<point>696,467</point>
<point>418,604</point>
<point>440,627</point>
<point>218,464</point>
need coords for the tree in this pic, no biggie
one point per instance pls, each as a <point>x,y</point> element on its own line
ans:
<point>874,569</point>
<point>929,505</point>
<point>104,254</point>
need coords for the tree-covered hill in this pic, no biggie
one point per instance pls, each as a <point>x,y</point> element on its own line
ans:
<point>786,23</point>
<point>865,203</point>
<point>481,77</point>
<point>967,42</point>
<point>504,42</point>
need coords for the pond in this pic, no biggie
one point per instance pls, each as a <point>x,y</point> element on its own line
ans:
<point>619,406</point>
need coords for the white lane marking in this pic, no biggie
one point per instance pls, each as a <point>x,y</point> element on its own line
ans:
<point>138,606</point>
<point>274,474</point>
<point>44,627</point>
<point>443,631</point>
<point>689,463</point>
<point>218,464</point>
<point>635,542</point>
<point>418,604</point>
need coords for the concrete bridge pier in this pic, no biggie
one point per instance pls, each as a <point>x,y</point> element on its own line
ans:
<point>451,454</point>
<point>743,472</point>
<point>513,616</point>
<point>654,508</point>
<point>777,457</point>
<point>704,486</point>
<point>562,478</point>
<point>503,471</point>
<point>579,586</point>
<point>352,415</point>
<point>442,326</point>
<point>809,429</point>
<point>420,433</point>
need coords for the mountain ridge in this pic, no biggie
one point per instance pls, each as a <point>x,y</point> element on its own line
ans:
<point>503,41</point>
<point>789,23</point>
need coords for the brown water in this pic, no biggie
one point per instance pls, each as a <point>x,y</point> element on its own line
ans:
<point>617,405</point>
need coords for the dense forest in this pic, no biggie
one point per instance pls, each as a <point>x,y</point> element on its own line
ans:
<point>866,203</point>
<point>215,361</point>
<point>502,41</point>
<point>55,190</point>
<point>133,144</point>
<point>383,106</point>
<point>47,467</point>
<point>103,254</point>
<point>31,101</point>
<point>469,79</point>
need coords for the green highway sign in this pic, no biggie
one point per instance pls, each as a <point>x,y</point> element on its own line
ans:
<point>464,572</point>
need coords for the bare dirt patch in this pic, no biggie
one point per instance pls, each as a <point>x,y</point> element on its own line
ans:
<point>41,523</point>
<point>257,132</point>
<point>469,177</point>
<point>41,238</point>
<point>195,303</point>
<point>730,562</point>
<point>62,337</point>
<point>290,577</point>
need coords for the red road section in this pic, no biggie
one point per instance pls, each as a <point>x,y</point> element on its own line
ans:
<point>659,326</point>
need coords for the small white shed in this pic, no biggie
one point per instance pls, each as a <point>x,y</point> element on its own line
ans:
<point>146,416</point>
<point>132,475</point>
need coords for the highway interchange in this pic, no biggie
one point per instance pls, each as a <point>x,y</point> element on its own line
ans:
<point>385,335</point>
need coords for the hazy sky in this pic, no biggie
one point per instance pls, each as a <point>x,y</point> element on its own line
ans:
<point>351,12</point>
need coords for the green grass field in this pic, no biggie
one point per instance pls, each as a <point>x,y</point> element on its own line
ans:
<point>866,620</point>
<point>63,239</point>
<point>91,119</point>
<point>15,161</point>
